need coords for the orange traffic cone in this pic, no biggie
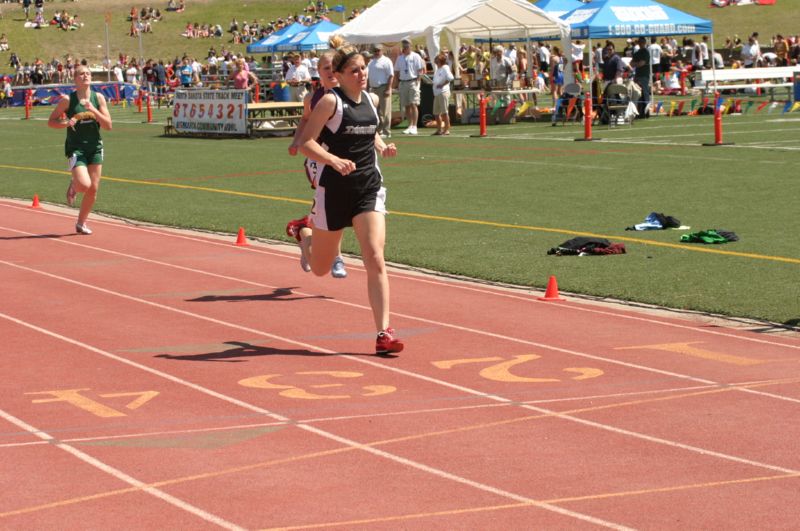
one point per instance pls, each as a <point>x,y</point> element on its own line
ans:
<point>35,203</point>
<point>551,294</point>
<point>241,240</point>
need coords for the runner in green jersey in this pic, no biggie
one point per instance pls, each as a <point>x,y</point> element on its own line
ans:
<point>83,113</point>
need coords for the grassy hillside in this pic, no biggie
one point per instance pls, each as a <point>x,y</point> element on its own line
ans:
<point>165,41</point>
<point>783,17</point>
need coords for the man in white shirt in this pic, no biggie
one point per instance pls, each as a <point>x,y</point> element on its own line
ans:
<point>577,59</point>
<point>544,58</point>
<point>655,55</point>
<point>409,68</point>
<point>501,69</point>
<point>704,52</point>
<point>751,53</point>
<point>380,75</point>
<point>297,77</point>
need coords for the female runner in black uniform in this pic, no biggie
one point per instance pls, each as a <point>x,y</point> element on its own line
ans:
<point>341,135</point>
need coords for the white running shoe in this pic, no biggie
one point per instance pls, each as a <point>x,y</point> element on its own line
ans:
<point>337,269</point>
<point>413,131</point>
<point>82,228</point>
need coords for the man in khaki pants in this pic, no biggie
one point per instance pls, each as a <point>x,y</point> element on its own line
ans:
<point>409,67</point>
<point>381,77</point>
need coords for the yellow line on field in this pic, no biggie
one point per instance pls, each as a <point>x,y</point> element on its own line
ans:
<point>431,217</point>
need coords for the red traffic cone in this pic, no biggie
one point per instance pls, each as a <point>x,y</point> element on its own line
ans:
<point>551,294</point>
<point>241,240</point>
<point>35,203</point>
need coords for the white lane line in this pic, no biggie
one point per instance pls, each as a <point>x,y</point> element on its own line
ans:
<point>414,278</point>
<point>423,377</point>
<point>120,475</point>
<point>308,428</point>
<point>408,412</point>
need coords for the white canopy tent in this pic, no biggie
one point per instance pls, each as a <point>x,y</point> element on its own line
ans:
<point>394,20</point>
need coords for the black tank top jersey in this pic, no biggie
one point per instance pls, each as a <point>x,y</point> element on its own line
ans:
<point>350,134</point>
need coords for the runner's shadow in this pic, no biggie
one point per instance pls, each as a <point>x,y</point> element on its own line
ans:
<point>35,236</point>
<point>245,350</point>
<point>279,294</point>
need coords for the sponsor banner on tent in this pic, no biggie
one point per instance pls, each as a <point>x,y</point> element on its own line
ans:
<point>606,19</point>
<point>221,112</point>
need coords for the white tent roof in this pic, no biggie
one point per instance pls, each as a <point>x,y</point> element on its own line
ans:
<point>393,20</point>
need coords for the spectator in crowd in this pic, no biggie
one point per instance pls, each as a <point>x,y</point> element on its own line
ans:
<point>118,74</point>
<point>556,73</point>
<point>794,52</point>
<point>544,59</point>
<point>298,77</point>
<point>654,49</point>
<point>577,59</point>
<point>312,62</point>
<point>751,53</point>
<point>597,58</point>
<point>613,67</point>
<point>3,43</point>
<point>243,79</point>
<point>705,56</point>
<point>132,73</point>
<point>500,69</point>
<point>186,73</point>
<point>409,67</point>
<point>672,79</point>
<point>37,75</point>
<point>7,93</point>
<point>521,66</point>
<point>441,94</point>
<point>781,48</point>
<point>472,58</point>
<point>641,75</point>
<point>148,76</point>
<point>511,53</point>
<point>161,78</point>
<point>695,55</point>
<point>381,78</point>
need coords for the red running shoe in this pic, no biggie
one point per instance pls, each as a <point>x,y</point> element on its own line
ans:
<point>387,342</point>
<point>294,226</point>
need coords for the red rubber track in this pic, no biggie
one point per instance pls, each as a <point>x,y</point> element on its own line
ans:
<point>155,379</point>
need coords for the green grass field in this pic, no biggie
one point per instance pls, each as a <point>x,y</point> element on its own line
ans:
<point>490,208</point>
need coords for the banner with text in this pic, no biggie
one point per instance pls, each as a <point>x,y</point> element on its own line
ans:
<point>222,112</point>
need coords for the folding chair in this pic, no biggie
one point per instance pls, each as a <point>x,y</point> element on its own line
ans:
<point>569,105</point>
<point>614,110</point>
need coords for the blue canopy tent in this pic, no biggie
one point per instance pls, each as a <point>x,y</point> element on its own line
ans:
<point>559,7</point>
<point>613,19</point>
<point>268,44</point>
<point>311,38</point>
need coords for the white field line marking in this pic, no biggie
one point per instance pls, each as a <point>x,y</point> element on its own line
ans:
<point>118,474</point>
<point>414,278</point>
<point>701,133</point>
<point>308,428</point>
<point>404,372</point>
